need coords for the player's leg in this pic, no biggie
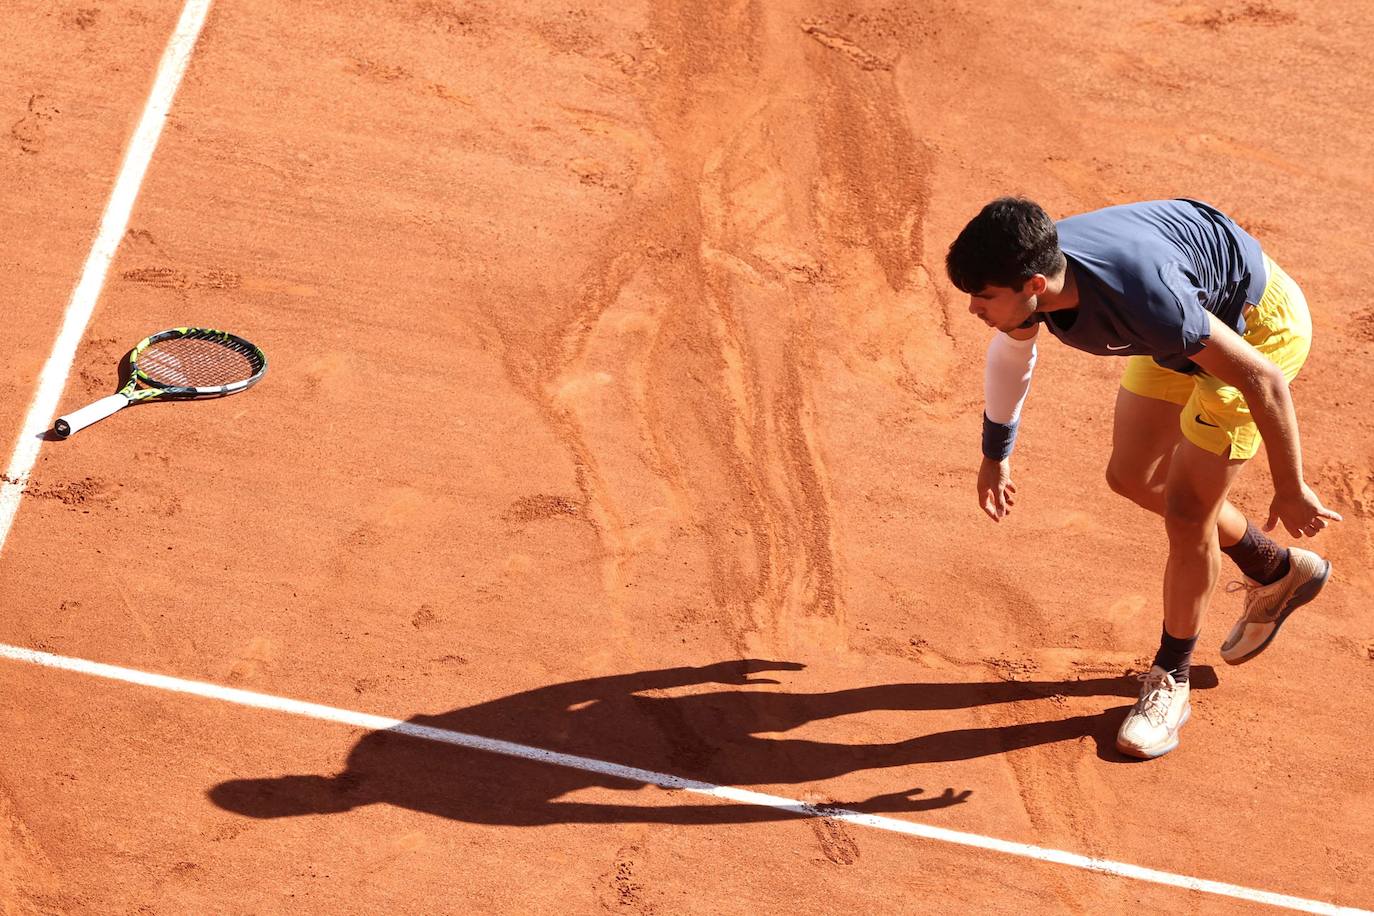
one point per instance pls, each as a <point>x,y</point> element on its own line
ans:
<point>1145,431</point>
<point>1144,434</point>
<point>1278,580</point>
<point>1194,494</point>
<point>1152,408</point>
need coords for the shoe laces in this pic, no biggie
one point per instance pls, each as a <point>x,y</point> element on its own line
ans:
<point>1156,698</point>
<point>1239,585</point>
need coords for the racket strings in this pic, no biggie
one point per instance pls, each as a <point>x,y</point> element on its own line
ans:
<point>188,362</point>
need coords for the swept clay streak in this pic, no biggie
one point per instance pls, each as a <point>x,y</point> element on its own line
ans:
<point>763,509</point>
<point>820,587</point>
<point>870,142</point>
<point>602,288</point>
<point>701,397</point>
<point>742,447</point>
<point>26,874</point>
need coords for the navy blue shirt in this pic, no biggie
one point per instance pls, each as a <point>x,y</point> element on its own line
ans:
<point>1149,273</point>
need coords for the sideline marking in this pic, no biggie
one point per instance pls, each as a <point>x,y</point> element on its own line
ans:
<point>667,781</point>
<point>80,307</point>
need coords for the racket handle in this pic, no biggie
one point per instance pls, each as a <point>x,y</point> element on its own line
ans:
<point>80,419</point>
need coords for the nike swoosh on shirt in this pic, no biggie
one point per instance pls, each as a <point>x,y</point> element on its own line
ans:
<point>1122,347</point>
<point>1198,418</point>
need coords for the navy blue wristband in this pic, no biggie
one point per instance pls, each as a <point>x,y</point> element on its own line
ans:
<point>998,439</point>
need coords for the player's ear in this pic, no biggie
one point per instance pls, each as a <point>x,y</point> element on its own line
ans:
<point>1037,284</point>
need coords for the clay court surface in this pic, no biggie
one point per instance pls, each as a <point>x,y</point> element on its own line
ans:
<point>610,346</point>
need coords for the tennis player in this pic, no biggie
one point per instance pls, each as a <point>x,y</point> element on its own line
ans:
<point>1213,331</point>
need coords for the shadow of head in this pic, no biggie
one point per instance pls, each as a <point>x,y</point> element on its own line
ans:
<point>286,796</point>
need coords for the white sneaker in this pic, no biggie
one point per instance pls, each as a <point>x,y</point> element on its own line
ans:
<point>1268,606</point>
<point>1151,727</point>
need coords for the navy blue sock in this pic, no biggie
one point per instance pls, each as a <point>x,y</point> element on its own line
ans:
<point>1175,655</point>
<point>1258,557</point>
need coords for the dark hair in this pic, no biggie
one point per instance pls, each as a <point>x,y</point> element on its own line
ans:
<point>1008,242</point>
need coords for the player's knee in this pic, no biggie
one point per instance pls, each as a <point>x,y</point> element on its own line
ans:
<point>1125,482</point>
<point>1185,515</point>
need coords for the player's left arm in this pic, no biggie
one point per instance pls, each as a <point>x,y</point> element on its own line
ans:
<point>1227,356</point>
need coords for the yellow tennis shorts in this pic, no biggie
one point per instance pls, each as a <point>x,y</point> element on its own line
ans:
<point>1214,415</point>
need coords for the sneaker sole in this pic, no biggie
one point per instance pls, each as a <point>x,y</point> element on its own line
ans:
<point>1301,595</point>
<point>1159,750</point>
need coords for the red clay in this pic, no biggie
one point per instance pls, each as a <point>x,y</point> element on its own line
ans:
<point>611,342</point>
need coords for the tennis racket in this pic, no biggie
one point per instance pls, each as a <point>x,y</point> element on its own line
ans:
<point>179,363</point>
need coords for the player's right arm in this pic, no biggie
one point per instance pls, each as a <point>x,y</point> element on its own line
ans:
<point>1006,382</point>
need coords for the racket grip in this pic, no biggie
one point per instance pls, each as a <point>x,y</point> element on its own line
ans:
<point>80,419</point>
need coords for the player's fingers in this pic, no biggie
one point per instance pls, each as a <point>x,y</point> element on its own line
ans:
<point>989,507</point>
<point>1328,513</point>
<point>1006,501</point>
<point>1273,520</point>
<point>1009,487</point>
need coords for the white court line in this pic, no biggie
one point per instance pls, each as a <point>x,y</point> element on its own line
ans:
<point>667,781</point>
<point>112,226</point>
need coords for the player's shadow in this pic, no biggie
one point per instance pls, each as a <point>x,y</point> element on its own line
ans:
<point>713,736</point>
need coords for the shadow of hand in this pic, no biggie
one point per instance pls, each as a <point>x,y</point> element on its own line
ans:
<point>907,801</point>
<point>738,672</point>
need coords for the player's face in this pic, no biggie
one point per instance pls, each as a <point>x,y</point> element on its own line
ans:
<point>1004,308</point>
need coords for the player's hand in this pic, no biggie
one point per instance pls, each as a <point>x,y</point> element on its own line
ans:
<point>1301,512</point>
<point>996,492</point>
